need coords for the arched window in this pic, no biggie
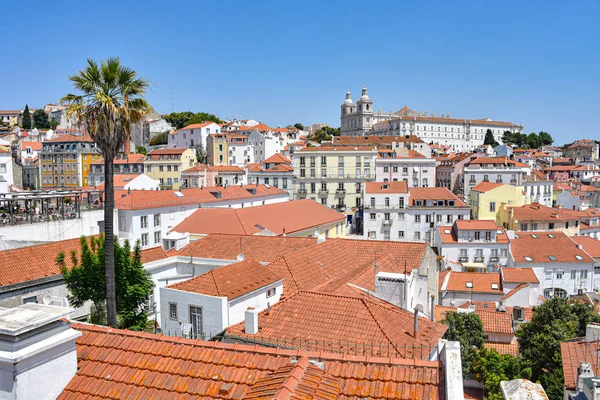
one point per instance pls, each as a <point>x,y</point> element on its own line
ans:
<point>558,292</point>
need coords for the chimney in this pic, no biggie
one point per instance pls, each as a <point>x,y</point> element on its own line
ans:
<point>39,356</point>
<point>416,327</point>
<point>592,332</point>
<point>321,239</point>
<point>251,321</point>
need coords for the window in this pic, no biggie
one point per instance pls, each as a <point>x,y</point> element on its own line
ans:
<point>149,168</point>
<point>552,258</point>
<point>32,299</point>
<point>161,168</point>
<point>144,221</point>
<point>156,237</point>
<point>523,227</point>
<point>144,239</point>
<point>548,275</point>
<point>574,274</point>
<point>156,219</point>
<point>271,292</point>
<point>372,216</point>
<point>302,173</point>
<point>494,253</point>
<point>175,168</point>
<point>417,235</point>
<point>168,168</point>
<point>504,252</point>
<point>387,201</point>
<point>372,201</point>
<point>578,257</point>
<point>386,168</point>
<point>401,202</point>
<point>528,259</point>
<point>400,234</point>
<point>477,235</point>
<point>417,218</point>
<point>386,216</point>
<point>559,274</point>
<point>284,183</point>
<point>169,181</point>
<point>584,274</point>
<point>400,216</point>
<point>312,173</point>
<point>533,226</point>
<point>372,235</point>
<point>493,206</point>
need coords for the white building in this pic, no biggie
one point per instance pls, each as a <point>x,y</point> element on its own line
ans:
<point>360,118</point>
<point>206,305</point>
<point>457,288</point>
<point>148,215</point>
<point>6,170</point>
<point>193,135</point>
<point>477,246</point>
<point>277,170</point>
<point>493,169</point>
<point>562,266</point>
<point>392,211</point>
<point>407,165</point>
<point>537,188</point>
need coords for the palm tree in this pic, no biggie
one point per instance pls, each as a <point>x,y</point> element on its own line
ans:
<point>110,101</point>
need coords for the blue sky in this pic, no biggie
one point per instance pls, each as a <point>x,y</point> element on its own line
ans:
<point>534,62</point>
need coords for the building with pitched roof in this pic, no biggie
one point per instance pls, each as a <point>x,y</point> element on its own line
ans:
<point>342,324</point>
<point>536,217</point>
<point>392,211</point>
<point>203,175</point>
<point>493,169</point>
<point>562,266</point>
<point>476,245</point>
<point>166,165</point>
<point>66,161</point>
<point>487,198</point>
<point>132,182</point>
<point>204,306</point>
<point>123,164</point>
<point>303,218</point>
<point>193,136</point>
<point>276,170</point>
<point>404,164</point>
<point>580,364</point>
<point>456,288</point>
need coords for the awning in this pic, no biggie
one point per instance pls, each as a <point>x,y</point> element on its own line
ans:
<point>474,265</point>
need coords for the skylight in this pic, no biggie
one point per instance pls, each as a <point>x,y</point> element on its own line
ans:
<point>552,258</point>
<point>578,257</point>
<point>499,232</point>
<point>494,286</point>
<point>469,284</point>
<point>527,258</point>
<point>551,236</point>
<point>447,231</point>
<point>178,194</point>
<point>534,236</point>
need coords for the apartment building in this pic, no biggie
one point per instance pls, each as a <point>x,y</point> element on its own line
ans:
<point>407,165</point>
<point>537,188</point>
<point>193,135</point>
<point>493,169</point>
<point>537,218</point>
<point>166,165</point>
<point>334,176</point>
<point>277,170</point>
<point>123,164</point>
<point>392,211</point>
<point>487,198</point>
<point>217,149</point>
<point>475,245</point>
<point>66,161</point>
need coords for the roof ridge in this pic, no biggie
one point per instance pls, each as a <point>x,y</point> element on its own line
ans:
<point>514,291</point>
<point>378,324</point>
<point>212,275</point>
<point>293,378</point>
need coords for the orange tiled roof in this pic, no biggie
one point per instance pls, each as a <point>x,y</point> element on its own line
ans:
<point>374,139</point>
<point>540,212</point>
<point>70,138</point>
<point>334,148</point>
<point>496,161</point>
<point>120,180</point>
<point>495,322</point>
<point>434,193</point>
<point>144,199</point>
<point>481,281</point>
<point>326,317</point>
<point>277,159</point>
<point>503,348</point>
<point>231,281</point>
<point>386,187</point>
<point>147,365</point>
<point>539,246</point>
<point>200,125</point>
<point>35,146</point>
<point>575,351</point>
<point>474,224</point>
<point>279,218</point>
<point>484,187</point>
<point>518,275</point>
<point>589,244</point>
<point>260,248</point>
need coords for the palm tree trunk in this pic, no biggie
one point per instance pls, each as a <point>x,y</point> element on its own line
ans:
<point>109,240</point>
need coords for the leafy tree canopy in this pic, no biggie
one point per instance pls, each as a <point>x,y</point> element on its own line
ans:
<point>489,139</point>
<point>180,119</point>
<point>161,138</point>
<point>532,141</point>
<point>85,280</point>
<point>468,330</point>
<point>325,134</point>
<point>26,120</point>
<point>40,119</point>
<point>491,368</point>
<point>299,126</point>
<point>141,150</point>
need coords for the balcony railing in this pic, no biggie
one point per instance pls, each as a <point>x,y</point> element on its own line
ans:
<point>323,192</point>
<point>494,259</point>
<point>513,181</point>
<point>387,222</point>
<point>478,259</point>
<point>463,259</point>
<point>340,192</point>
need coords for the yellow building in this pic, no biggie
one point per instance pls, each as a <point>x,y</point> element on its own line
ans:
<point>65,161</point>
<point>487,198</point>
<point>333,176</point>
<point>216,149</point>
<point>166,165</point>
<point>536,217</point>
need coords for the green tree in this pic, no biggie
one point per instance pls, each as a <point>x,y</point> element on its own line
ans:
<point>85,280</point>
<point>109,102</point>
<point>141,150</point>
<point>489,139</point>
<point>545,138</point>
<point>54,124</point>
<point>507,138</point>
<point>26,120</point>
<point>490,368</point>
<point>179,120</point>
<point>299,126</point>
<point>161,138</point>
<point>325,134</point>
<point>40,119</point>
<point>533,140</point>
<point>468,330</point>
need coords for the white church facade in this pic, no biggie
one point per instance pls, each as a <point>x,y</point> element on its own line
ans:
<point>358,119</point>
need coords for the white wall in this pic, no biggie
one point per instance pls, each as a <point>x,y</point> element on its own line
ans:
<point>455,299</point>
<point>185,138</point>
<point>547,275</point>
<point>257,299</point>
<point>409,169</point>
<point>6,172</point>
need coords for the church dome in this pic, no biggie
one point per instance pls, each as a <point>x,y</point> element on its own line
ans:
<point>365,95</point>
<point>348,98</point>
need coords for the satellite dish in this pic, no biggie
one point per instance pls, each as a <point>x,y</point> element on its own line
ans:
<point>46,299</point>
<point>240,257</point>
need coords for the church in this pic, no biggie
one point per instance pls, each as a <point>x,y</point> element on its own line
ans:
<point>460,134</point>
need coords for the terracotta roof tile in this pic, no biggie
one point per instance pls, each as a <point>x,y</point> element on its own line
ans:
<point>277,158</point>
<point>589,244</point>
<point>575,351</point>
<point>200,125</point>
<point>484,187</point>
<point>539,247</point>
<point>260,248</point>
<point>120,180</point>
<point>482,282</point>
<point>434,193</point>
<point>495,322</point>
<point>280,218</point>
<point>70,138</point>
<point>231,281</point>
<point>156,366</point>
<point>386,187</point>
<point>358,322</point>
<point>518,275</point>
<point>35,146</point>
<point>474,224</point>
<point>503,348</point>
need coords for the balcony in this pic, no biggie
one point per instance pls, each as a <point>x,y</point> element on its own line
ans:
<point>494,259</point>
<point>472,183</point>
<point>513,181</point>
<point>498,180</point>
<point>340,192</point>
<point>478,259</point>
<point>302,193</point>
<point>324,192</point>
<point>387,222</point>
<point>463,259</point>
<point>340,207</point>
